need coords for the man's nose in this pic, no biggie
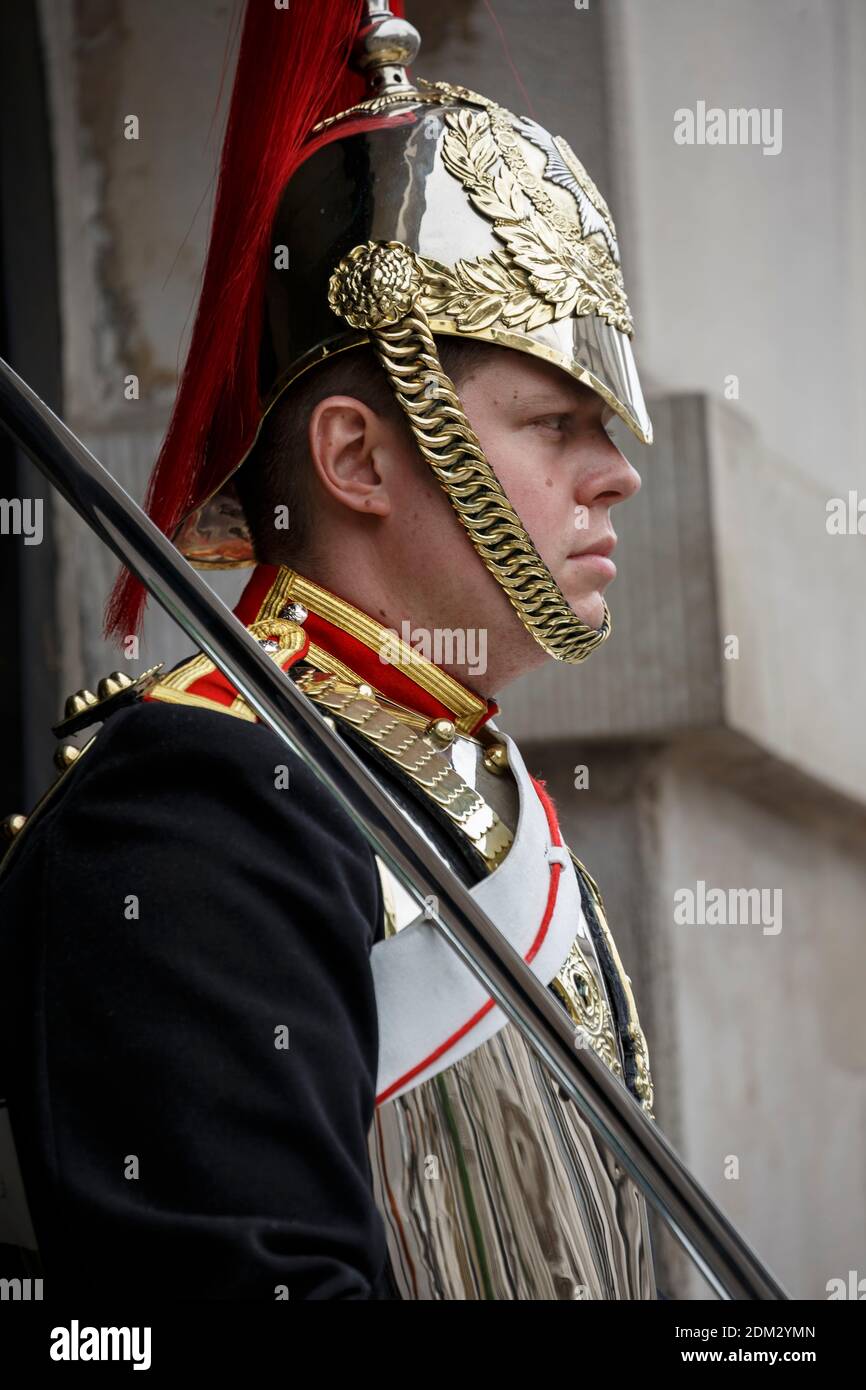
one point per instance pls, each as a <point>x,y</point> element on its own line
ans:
<point>611,478</point>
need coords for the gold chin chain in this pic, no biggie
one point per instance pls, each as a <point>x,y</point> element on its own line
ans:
<point>377,287</point>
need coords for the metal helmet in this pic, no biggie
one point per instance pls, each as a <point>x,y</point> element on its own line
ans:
<point>429,209</point>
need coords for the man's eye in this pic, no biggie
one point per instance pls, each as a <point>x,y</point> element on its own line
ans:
<point>553,422</point>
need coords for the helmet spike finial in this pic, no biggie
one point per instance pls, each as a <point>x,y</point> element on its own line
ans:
<point>386,45</point>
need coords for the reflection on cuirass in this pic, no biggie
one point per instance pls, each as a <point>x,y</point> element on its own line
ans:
<point>492,1187</point>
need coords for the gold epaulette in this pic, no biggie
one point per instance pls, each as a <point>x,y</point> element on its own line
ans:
<point>82,710</point>
<point>281,638</point>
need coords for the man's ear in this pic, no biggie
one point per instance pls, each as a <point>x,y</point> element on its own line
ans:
<point>347,441</point>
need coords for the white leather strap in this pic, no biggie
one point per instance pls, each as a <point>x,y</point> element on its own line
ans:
<point>425,995</point>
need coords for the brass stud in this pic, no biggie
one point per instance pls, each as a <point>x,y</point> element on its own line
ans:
<point>13,825</point>
<point>78,703</point>
<point>443,730</point>
<point>112,685</point>
<point>496,759</point>
<point>65,755</point>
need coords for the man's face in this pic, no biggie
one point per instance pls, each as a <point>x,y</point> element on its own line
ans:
<point>544,435</point>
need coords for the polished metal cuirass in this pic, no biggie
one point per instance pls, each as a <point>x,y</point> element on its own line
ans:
<point>491,1186</point>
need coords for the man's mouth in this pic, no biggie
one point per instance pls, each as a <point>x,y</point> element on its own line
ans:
<point>603,546</point>
<point>595,556</point>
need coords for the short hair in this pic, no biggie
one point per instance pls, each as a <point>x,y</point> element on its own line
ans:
<point>277,471</point>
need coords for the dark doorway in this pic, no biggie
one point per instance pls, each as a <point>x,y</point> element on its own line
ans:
<point>30,342</point>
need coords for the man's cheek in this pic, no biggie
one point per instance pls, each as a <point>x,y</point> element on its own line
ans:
<point>544,521</point>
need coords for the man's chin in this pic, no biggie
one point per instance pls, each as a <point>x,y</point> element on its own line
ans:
<point>589,608</point>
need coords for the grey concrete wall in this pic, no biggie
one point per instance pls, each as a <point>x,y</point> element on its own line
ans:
<point>756,1037</point>
<point>767,1029</point>
<point>744,263</point>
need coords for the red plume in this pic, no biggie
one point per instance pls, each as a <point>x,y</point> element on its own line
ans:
<point>292,72</point>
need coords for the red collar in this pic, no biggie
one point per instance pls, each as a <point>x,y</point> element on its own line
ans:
<point>356,641</point>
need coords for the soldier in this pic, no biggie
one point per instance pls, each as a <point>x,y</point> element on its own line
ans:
<point>239,1060</point>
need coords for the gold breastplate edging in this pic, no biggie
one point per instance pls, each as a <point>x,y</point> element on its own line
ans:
<point>638,1051</point>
